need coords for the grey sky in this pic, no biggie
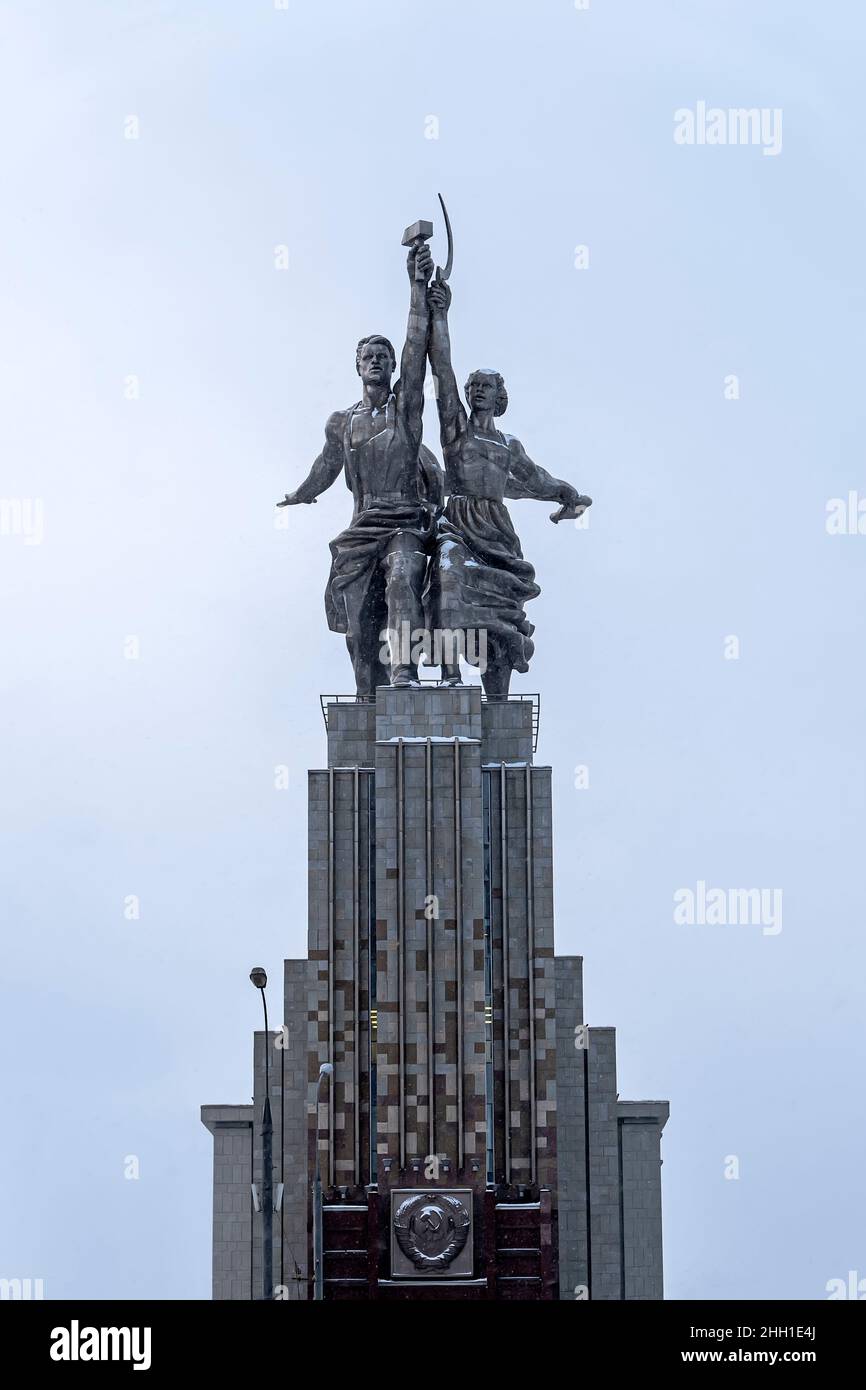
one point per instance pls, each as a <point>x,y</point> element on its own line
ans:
<point>155,258</point>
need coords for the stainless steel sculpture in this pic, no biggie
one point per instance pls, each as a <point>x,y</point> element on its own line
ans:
<point>409,572</point>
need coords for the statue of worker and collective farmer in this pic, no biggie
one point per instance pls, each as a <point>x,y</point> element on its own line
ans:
<point>430,562</point>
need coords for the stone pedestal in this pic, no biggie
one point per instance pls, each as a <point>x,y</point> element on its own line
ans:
<point>470,1140</point>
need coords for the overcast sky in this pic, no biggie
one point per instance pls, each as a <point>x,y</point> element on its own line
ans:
<point>164,381</point>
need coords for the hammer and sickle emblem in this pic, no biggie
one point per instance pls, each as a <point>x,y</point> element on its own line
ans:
<point>432,1228</point>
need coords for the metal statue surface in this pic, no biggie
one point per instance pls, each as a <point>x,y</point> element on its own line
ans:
<point>407,566</point>
<point>379,563</point>
<point>479,578</point>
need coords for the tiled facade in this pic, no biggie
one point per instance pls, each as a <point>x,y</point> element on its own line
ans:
<point>455,1035</point>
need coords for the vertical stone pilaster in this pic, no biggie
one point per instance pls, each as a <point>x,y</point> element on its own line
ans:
<point>544,983</point>
<point>571,1071</point>
<point>290,1129</point>
<point>640,1130</point>
<point>341,919</point>
<point>231,1127</point>
<point>604,1172</point>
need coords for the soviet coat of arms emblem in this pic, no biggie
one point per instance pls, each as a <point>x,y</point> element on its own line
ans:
<point>431,1233</point>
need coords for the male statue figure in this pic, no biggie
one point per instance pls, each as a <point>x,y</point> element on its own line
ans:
<point>378,564</point>
<point>478,576</point>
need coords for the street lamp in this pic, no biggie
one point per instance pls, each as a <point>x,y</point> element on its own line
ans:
<point>318,1255</point>
<point>260,980</point>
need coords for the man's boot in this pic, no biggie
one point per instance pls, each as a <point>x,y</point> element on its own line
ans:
<point>404,677</point>
<point>451,673</point>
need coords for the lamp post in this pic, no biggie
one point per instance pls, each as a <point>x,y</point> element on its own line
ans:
<point>260,980</point>
<point>318,1270</point>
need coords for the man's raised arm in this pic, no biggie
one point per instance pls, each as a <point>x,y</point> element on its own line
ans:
<point>413,363</point>
<point>327,467</point>
<point>452,416</point>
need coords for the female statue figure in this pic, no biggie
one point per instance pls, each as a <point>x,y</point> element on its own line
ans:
<point>478,577</point>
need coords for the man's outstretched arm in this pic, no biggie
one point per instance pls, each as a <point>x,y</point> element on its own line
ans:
<point>413,363</point>
<point>452,416</point>
<point>327,467</point>
<point>528,479</point>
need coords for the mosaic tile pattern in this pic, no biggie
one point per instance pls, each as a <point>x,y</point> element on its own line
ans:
<point>421,874</point>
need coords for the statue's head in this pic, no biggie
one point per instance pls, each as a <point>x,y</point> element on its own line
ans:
<point>485,391</point>
<point>375,360</point>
